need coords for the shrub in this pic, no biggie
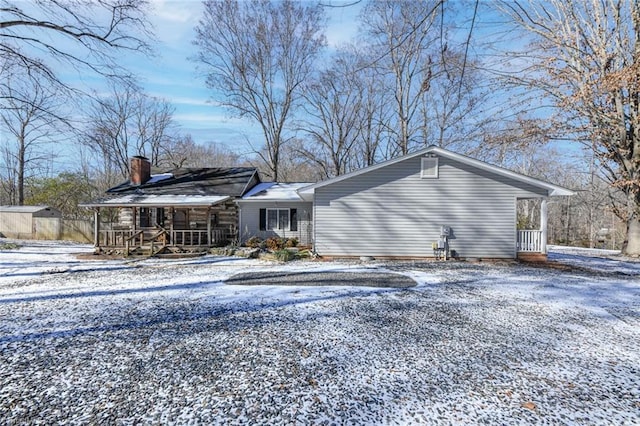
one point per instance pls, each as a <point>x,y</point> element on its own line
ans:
<point>254,242</point>
<point>291,242</point>
<point>9,246</point>
<point>274,243</point>
<point>303,254</point>
<point>284,255</point>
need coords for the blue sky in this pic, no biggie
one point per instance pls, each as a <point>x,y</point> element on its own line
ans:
<point>172,76</point>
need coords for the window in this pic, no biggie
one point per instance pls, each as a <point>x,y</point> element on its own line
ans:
<point>180,219</point>
<point>145,217</point>
<point>150,217</point>
<point>429,168</point>
<point>278,220</point>
<point>160,216</point>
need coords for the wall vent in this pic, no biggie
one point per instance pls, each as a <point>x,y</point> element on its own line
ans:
<point>429,168</point>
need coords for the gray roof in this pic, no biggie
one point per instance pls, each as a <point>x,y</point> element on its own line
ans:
<point>233,181</point>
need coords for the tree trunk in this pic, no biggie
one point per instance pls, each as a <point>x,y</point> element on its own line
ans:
<point>631,245</point>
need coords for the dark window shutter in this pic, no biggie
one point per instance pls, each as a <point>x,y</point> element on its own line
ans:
<point>263,219</point>
<point>293,222</point>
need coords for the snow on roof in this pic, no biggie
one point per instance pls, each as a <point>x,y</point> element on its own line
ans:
<point>159,177</point>
<point>274,191</point>
<point>136,200</point>
<point>23,209</point>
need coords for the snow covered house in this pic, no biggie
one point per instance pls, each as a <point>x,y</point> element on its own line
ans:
<point>430,202</point>
<point>273,209</point>
<point>186,209</point>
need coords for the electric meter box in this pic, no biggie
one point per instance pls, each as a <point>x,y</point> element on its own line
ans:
<point>445,231</point>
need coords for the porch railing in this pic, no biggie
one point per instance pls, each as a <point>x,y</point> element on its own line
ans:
<point>529,241</point>
<point>115,237</point>
<point>189,237</point>
<point>121,238</point>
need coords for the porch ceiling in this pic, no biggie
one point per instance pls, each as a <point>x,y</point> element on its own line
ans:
<point>135,200</point>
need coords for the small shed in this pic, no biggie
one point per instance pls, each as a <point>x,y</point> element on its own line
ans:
<point>30,222</point>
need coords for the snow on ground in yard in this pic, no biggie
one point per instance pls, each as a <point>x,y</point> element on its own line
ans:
<point>596,260</point>
<point>166,341</point>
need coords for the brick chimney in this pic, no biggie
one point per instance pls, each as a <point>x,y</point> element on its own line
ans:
<point>140,170</point>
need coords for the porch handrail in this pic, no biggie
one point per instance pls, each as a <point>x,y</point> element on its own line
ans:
<point>157,237</point>
<point>530,241</point>
<point>127,242</point>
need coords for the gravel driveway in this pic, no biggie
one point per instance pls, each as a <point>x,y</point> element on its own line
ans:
<point>353,279</point>
<point>169,343</point>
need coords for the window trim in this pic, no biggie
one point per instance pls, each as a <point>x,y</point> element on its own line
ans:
<point>424,167</point>
<point>278,210</point>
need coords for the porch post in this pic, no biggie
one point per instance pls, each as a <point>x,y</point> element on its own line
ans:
<point>543,226</point>
<point>209,237</point>
<point>96,227</point>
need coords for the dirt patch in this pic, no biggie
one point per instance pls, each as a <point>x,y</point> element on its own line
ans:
<point>97,256</point>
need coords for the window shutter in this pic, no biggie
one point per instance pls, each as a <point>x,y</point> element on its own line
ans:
<point>293,222</point>
<point>263,219</point>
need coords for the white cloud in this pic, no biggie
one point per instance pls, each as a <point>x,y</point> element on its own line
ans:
<point>184,100</point>
<point>209,118</point>
<point>343,22</point>
<point>177,11</point>
<point>174,20</point>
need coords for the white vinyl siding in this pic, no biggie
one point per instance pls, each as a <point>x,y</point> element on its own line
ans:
<point>250,221</point>
<point>393,211</point>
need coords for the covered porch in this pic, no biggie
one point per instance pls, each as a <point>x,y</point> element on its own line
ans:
<point>531,244</point>
<point>151,225</point>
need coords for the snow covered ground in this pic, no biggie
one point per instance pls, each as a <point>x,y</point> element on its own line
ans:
<point>167,341</point>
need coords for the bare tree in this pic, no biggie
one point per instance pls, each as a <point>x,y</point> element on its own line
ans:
<point>295,167</point>
<point>257,54</point>
<point>184,152</point>
<point>334,110</point>
<point>87,35</point>
<point>452,103</point>
<point>376,115</point>
<point>127,123</point>
<point>31,120</point>
<point>153,120</point>
<point>404,34</point>
<point>585,57</point>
